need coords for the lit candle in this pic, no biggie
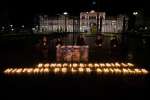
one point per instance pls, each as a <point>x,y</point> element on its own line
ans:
<point>64,70</point>
<point>96,65</point>
<point>40,65</point>
<point>88,70</point>
<point>80,69</point>
<point>98,70</point>
<point>75,64</point>
<point>56,70</point>
<point>130,64</point>
<point>46,65</point>
<point>144,71</point>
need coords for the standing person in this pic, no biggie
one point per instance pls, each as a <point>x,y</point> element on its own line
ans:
<point>114,44</point>
<point>59,42</point>
<point>98,41</point>
<point>45,47</point>
<point>80,40</point>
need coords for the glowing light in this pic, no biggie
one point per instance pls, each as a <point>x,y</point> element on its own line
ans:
<point>56,70</point>
<point>46,70</point>
<point>75,64</point>
<point>29,70</point>
<point>102,64</point>
<point>14,70</point>
<point>36,70</point>
<point>73,70</point>
<point>108,65</point>
<point>47,65</point>
<point>64,70</point>
<point>81,65</point>
<point>111,70</point>
<point>96,65</point>
<point>130,64</point>
<point>124,65</point>
<point>88,70</point>
<point>65,13</point>
<point>65,65</point>
<point>125,71</point>
<point>117,64</point>
<point>8,70</point>
<point>81,69</point>
<point>117,70</point>
<point>53,65</point>
<point>90,65</point>
<point>105,70</point>
<point>112,64</point>
<point>18,71</point>
<point>59,65</point>
<point>40,65</point>
<point>144,71</point>
<point>98,70</point>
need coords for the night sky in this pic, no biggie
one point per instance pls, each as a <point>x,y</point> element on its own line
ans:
<point>24,11</point>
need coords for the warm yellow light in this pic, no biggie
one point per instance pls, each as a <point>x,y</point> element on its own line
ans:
<point>53,65</point>
<point>75,64</point>
<point>90,65</point>
<point>130,64</point>
<point>144,71</point>
<point>59,65</point>
<point>125,71</point>
<point>102,64</point>
<point>98,70</point>
<point>29,70</point>
<point>65,65</point>
<point>131,71</point>
<point>108,65</point>
<point>112,64</point>
<point>19,70</point>
<point>105,70</point>
<point>24,70</point>
<point>81,65</point>
<point>117,70</point>
<point>46,70</point>
<point>80,69</point>
<point>46,65</point>
<point>124,65</point>
<point>14,70</point>
<point>56,70</point>
<point>111,70</point>
<point>64,70</point>
<point>117,64</point>
<point>36,70</point>
<point>96,65</point>
<point>73,70</point>
<point>40,65</point>
<point>8,70</point>
<point>88,70</point>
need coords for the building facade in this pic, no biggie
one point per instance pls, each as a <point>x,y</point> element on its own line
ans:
<point>88,22</point>
<point>99,22</point>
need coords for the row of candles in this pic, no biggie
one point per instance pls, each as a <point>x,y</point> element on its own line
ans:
<point>37,70</point>
<point>97,65</point>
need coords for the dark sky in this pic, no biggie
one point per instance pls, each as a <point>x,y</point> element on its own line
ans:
<point>23,11</point>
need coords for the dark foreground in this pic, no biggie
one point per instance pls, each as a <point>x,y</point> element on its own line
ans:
<point>49,86</point>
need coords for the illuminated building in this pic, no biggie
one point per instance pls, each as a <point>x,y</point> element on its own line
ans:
<point>89,22</point>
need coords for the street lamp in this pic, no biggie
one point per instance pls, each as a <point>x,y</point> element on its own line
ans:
<point>65,14</point>
<point>135,13</point>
